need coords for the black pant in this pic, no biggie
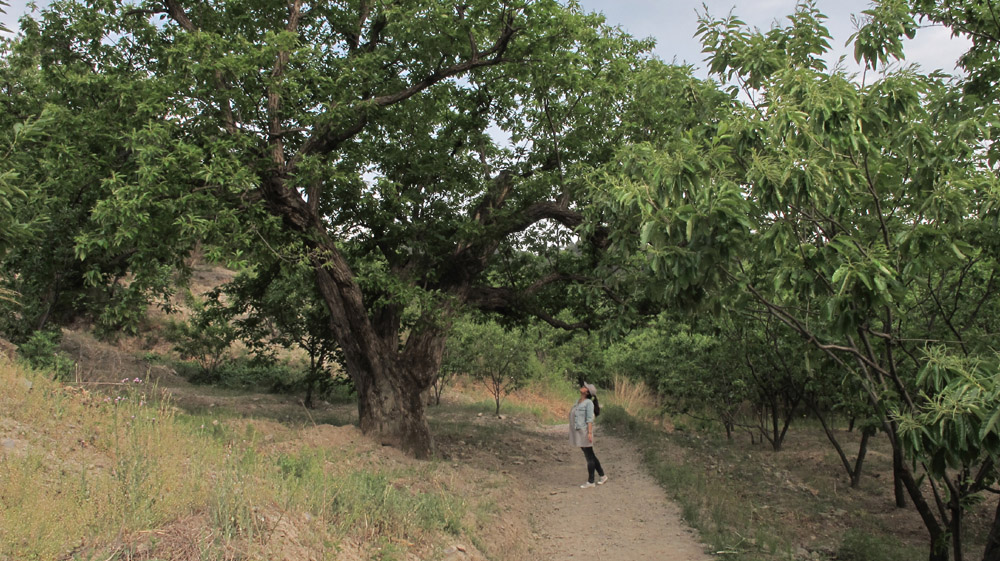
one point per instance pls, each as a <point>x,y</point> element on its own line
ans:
<point>592,463</point>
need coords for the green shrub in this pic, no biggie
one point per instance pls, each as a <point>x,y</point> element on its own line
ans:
<point>249,374</point>
<point>41,351</point>
<point>204,341</point>
<point>616,417</point>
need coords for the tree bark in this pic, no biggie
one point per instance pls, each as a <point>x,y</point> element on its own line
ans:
<point>396,418</point>
<point>859,462</point>
<point>992,551</point>
<point>391,408</point>
<point>955,506</point>
<point>939,538</point>
<point>897,480</point>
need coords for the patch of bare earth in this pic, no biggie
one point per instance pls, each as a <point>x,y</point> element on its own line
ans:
<point>629,517</point>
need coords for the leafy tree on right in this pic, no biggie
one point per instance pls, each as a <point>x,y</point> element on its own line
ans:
<point>862,214</point>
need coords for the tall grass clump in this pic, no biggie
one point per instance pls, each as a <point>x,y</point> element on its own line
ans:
<point>634,396</point>
<point>377,506</point>
<point>85,468</point>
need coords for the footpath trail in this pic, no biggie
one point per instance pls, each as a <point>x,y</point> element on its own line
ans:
<point>630,518</point>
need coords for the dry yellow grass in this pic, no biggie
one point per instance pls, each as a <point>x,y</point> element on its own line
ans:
<point>635,397</point>
<point>120,476</point>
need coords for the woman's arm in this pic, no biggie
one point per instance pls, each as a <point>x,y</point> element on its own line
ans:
<point>590,421</point>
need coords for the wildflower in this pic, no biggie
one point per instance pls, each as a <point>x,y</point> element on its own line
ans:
<point>124,380</point>
<point>137,380</point>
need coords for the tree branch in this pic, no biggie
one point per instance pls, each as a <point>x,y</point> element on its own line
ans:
<point>176,13</point>
<point>326,138</point>
<point>507,300</point>
<point>541,211</point>
<point>275,131</point>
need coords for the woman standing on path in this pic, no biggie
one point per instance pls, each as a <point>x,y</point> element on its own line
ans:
<point>581,431</point>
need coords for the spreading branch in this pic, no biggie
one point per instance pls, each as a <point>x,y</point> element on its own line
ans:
<point>177,14</point>
<point>327,137</point>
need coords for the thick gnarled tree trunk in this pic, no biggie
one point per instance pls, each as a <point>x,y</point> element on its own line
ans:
<point>389,378</point>
<point>393,415</point>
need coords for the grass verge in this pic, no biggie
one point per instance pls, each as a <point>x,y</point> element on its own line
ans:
<point>749,504</point>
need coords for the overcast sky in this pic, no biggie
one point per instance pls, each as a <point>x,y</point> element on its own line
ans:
<point>673,23</point>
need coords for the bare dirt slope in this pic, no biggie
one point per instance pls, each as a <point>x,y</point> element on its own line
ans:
<point>628,518</point>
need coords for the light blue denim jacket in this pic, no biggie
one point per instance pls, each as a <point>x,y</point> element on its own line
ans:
<point>581,414</point>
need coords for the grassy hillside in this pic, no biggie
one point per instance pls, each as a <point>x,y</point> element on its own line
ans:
<point>121,474</point>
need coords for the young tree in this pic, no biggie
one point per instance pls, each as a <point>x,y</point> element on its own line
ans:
<point>62,125</point>
<point>500,358</point>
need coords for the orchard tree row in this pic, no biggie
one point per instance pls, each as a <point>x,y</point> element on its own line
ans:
<point>377,170</point>
<point>860,214</point>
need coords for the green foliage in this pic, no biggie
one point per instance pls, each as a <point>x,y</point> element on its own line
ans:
<point>249,374</point>
<point>273,307</point>
<point>574,356</point>
<point>975,21</point>
<point>206,339</point>
<point>881,37</point>
<point>861,215</point>
<point>692,365</point>
<point>956,423</point>
<point>41,351</point>
<point>3,5</point>
<point>66,153</point>
<point>501,359</point>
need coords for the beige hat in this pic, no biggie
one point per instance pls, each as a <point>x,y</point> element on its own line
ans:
<point>590,388</point>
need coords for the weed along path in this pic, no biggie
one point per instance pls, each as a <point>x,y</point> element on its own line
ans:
<point>629,518</point>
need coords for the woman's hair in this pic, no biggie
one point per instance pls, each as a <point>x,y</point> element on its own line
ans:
<point>597,405</point>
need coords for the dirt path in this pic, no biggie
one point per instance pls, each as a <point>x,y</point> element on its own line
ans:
<point>629,518</point>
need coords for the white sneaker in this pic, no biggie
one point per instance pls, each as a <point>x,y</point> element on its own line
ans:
<point>602,480</point>
<point>587,485</point>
